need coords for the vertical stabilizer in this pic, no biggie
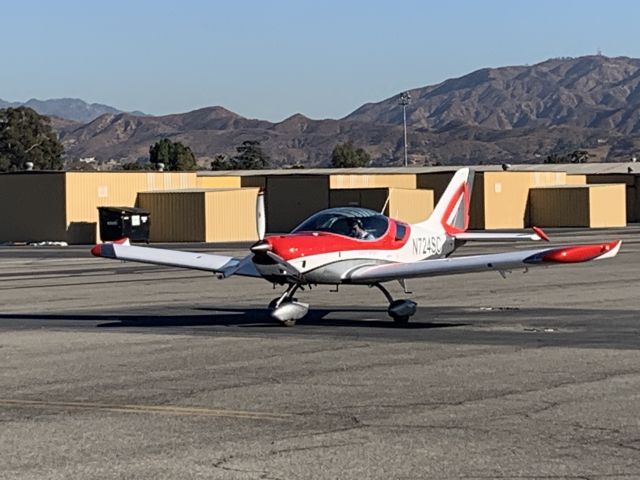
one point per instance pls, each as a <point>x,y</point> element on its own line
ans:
<point>451,214</point>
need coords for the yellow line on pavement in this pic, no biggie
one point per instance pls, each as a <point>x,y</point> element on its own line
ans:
<point>165,409</point>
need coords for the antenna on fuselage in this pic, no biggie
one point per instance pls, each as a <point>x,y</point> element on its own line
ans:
<point>386,203</point>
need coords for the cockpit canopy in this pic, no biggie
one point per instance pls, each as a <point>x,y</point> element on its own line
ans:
<point>341,221</point>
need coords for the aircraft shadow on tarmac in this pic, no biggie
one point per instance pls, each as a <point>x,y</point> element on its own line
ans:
<point>427,317</point>
<point>234,317</point>
<point>570,327</point>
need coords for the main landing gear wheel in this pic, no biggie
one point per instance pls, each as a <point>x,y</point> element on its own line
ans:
<point>401,321</point>
<point>291,322</point>
<point>399,310</point>
<point>285,323</point>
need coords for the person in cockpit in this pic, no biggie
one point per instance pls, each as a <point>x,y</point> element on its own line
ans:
<point>358,231</point>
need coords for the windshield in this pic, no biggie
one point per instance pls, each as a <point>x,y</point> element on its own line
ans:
<point>360,223</point>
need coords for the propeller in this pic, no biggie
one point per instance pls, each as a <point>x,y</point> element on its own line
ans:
<point>261,221</point>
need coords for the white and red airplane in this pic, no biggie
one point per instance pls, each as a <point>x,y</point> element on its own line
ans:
<point>358,246</point>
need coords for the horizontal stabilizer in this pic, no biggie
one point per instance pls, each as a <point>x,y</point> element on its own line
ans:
<point>538,234</point>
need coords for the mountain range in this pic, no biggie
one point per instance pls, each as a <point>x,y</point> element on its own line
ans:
<point>514,114</point>
<point>66,108</point>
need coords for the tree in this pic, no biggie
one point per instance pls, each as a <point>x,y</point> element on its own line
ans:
<point>174,155</point>
<point>220,162</point>
<point>250,157</point>
<point>78,165</point>
<point>345,155</point>
<point>26,136</point>
<point>554,158</point>
<point>577,156</point>
<point>137,166</point>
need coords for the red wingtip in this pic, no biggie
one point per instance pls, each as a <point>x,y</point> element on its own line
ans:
<point>122,241</point>
<point>96,251</point>
<point>582,253</point>
<point>538,231</point>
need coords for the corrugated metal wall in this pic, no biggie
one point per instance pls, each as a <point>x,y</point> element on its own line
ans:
<point>411,206</point>
<point>505,199</point>
<point>506,196</point>
<point>337,181</point>
<point>175,216</point>
<point>63,206</point>
<point>578,206</point>
<point>408,205</point>
<point>86,191</point>
<point>224,215</point>
<point>476,215</point>
<point>373,198</point>
<point>437,182</point>
<point>632,183</point>
<point>633,204</point>
<point>223,181</point>
<point>251,181</point>
<point>576,180</point>
<point>231,215</point>
<point>607,206</point>
<point>290,199</point>
<point>566,206</point>
<point>32,207</point>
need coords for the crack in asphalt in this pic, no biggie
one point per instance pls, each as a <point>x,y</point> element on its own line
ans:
<point>498,396</point>
<point>220,464</point>
<point>315,447</point>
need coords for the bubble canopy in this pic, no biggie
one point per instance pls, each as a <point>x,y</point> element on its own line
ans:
<point>342,219</point>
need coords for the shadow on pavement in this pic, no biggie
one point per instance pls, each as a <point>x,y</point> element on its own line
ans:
<point>228,317</point>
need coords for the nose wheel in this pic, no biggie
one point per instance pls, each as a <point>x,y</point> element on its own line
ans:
<point>286,309</point>
<point>399,310</point>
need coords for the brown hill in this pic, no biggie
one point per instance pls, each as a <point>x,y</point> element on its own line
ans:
<point>514,114</point>
<point>586,92</point>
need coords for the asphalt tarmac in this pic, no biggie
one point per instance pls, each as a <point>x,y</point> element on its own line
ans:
<point>114,370</point>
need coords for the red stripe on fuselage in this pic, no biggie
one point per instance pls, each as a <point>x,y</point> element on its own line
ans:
<point>304,244</point>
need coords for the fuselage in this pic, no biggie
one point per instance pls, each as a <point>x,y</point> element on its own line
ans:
<point>326,257</point>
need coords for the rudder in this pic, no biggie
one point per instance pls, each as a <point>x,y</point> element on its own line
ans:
<point>451,214</point>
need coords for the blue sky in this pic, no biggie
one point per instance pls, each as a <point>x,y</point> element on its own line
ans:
<point>271,59</point>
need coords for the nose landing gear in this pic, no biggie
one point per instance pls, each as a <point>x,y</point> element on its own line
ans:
<point>286,309</point>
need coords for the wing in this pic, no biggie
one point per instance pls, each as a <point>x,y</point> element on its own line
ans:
<point>482,263</point>
<point>221,264</point>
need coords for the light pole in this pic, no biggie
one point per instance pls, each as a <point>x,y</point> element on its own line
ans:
<point>405,97</point>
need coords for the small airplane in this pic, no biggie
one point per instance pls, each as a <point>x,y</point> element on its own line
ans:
<point>358,246</point>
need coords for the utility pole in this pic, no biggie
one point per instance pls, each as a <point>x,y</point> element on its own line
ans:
<point>405,97</point>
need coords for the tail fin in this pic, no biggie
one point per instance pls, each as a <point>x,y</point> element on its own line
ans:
<point>452,211</point>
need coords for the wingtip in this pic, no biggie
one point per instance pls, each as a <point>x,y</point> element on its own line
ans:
<point>579,253</point>
<point>610,250</point>
<point>105,250</point>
